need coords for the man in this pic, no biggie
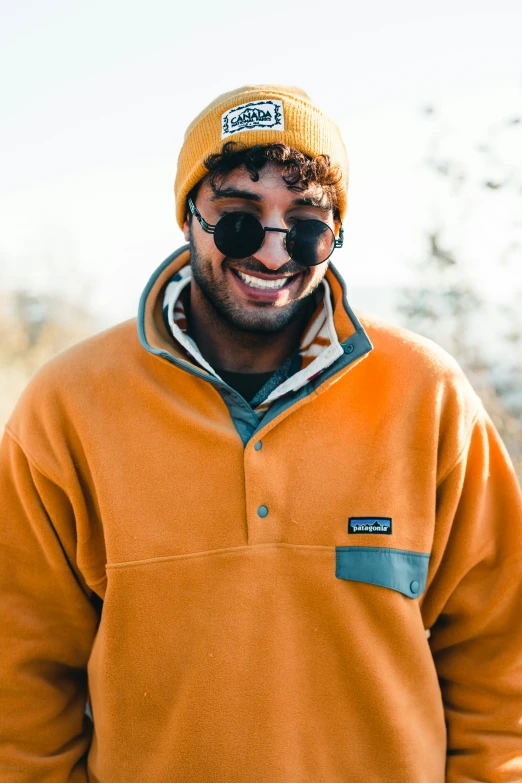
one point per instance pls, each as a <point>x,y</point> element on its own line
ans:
<point>266,540</point>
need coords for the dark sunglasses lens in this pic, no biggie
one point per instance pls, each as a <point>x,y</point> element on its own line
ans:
<point>238,235</point>
<point>310,242</point>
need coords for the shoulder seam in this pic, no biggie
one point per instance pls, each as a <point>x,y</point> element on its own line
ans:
<point>84,569</point>
<point>464,447</point>
<point>31,459</point>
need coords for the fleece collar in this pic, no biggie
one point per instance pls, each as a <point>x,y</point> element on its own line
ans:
<point>322,363</point>
<point>319,347</point>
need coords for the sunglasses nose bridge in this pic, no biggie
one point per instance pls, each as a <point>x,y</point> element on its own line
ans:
<point>272,252</point>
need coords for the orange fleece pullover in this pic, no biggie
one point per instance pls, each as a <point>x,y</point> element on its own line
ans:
<point>330,595</point>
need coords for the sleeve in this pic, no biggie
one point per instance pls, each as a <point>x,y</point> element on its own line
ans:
<point>47,628</point>
<point>475,602</point>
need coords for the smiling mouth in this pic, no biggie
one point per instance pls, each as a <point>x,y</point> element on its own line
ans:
<point>263,284</point>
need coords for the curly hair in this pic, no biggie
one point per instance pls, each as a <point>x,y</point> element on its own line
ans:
<point>298,170</point>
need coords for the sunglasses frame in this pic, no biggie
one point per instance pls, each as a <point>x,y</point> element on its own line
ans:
<point>209,228</point>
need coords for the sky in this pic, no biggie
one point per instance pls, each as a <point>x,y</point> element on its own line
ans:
<point>95,98</point>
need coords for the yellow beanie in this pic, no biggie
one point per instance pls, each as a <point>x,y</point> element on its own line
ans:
<point>258,114</point>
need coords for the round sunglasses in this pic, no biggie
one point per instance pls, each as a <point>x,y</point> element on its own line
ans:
<point>240,234</point>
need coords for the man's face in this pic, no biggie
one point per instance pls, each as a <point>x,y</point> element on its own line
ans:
<point>243,304</point>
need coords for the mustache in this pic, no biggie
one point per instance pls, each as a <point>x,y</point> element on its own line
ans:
<point>251,266</point>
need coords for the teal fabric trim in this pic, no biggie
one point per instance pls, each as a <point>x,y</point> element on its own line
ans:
<point>358,345</point>
<point>244,418</point>
<point>141,325</point>
<point>340,279</point>
<point>397,569</point>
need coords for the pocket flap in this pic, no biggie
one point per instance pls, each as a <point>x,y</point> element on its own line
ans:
<point>397,569</point>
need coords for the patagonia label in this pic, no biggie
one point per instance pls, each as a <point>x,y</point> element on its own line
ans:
<point>382,525</point>
<point>253,116</point>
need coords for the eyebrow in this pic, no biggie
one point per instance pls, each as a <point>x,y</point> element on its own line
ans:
<point>222,193</point>
<point>310,201</point>
<point>304,201</point>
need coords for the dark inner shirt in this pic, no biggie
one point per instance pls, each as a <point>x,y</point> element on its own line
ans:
<point>246,383</point>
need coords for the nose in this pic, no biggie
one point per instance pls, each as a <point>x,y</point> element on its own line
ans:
<point>272,252</point>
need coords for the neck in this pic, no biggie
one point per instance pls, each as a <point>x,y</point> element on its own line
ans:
<point>236,350</point>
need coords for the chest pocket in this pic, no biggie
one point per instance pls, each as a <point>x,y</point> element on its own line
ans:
<point>397,569</point>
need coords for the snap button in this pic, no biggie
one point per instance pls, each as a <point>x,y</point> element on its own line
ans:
<point>258,445</point>
<point>348,348</point>
<point>414,586</point>
<point>262,511</point>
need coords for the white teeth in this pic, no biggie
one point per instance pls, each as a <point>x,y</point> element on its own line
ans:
<point>256,282</point>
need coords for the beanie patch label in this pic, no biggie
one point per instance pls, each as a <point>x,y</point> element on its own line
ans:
<point>256,115</point>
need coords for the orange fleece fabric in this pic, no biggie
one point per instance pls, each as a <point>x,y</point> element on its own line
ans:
<point>246,635</point>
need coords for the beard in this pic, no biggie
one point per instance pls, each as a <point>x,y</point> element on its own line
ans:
<point>260,318</point>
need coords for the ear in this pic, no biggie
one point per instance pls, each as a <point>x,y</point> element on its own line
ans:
<point>186,230</point>
<point>337,222</point>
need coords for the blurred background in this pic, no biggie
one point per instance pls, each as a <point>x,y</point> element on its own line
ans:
<point>95,98</point>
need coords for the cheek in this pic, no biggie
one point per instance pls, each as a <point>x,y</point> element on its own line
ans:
<point>205,253</point>
<point>199,240</point>
<point>315,276</point>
